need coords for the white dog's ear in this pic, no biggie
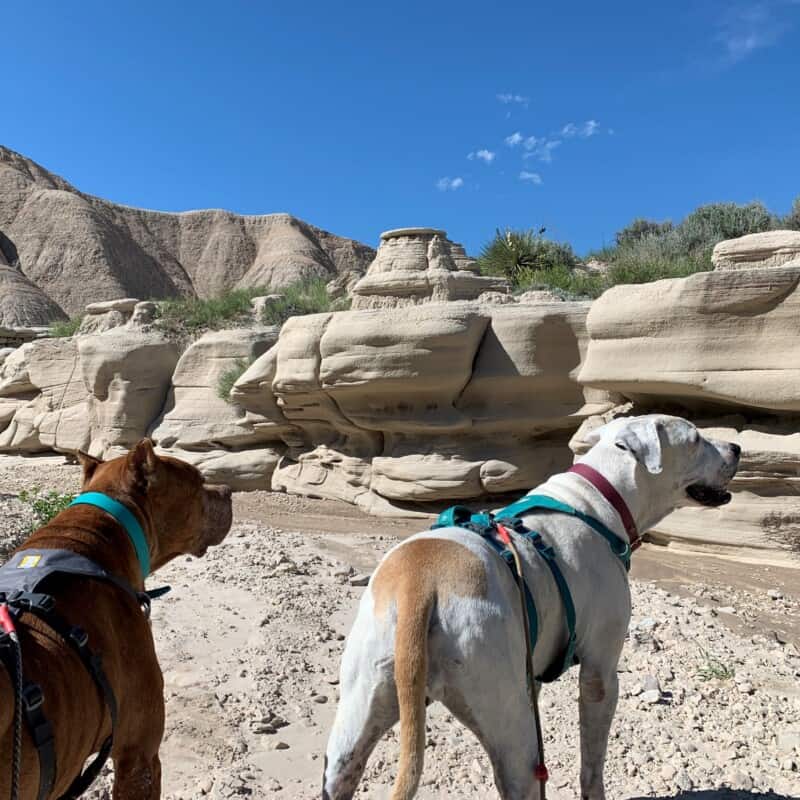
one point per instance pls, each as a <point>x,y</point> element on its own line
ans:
<point>642,438</point>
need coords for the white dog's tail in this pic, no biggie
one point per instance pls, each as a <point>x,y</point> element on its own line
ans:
<point>414,606</point>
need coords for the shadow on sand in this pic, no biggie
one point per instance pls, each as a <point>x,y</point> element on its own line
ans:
<point>722,794</point>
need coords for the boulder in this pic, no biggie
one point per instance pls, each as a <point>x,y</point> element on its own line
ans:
<point>128,375</point>
<point>769,249</point>
<point>727,338</point>
<point>420,265</point>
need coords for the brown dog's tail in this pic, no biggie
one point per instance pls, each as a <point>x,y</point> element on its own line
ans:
<point>414,606</point>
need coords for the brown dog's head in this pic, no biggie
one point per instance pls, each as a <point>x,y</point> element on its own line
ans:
<point>183,515</point>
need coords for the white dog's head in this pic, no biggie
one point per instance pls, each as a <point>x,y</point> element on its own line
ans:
<point>670,451</point>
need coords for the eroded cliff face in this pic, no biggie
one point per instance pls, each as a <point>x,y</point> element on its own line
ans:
<point>76,249</point>
<point>407,408</point>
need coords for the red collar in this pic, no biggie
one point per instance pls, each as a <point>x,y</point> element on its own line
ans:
<point>613,496</point>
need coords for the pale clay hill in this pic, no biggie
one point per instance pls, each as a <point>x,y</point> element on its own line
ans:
<point>61,249</point>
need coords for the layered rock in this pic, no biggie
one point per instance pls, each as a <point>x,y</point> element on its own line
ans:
<point>769,249</point>
<point>228,442</point>
<point>726,337</point>
<point>420,265</point>
<point>79,249</point>
<point>723,349</point>
<point>396,407</point>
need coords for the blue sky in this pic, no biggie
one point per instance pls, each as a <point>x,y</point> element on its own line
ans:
<point>359,117</point>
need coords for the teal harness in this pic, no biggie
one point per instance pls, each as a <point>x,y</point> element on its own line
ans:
<point>485,525</point>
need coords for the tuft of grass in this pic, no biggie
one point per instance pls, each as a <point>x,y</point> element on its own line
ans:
<point>513,254</point>
<point>712,668</point>
<point>193,314</point>
<point>230,376</point>
<point>44,505</point>
<point>65,328</point>
<point>303,297</point>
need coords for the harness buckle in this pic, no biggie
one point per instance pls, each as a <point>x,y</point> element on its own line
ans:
<point>79,636</point>
<point>32,697</point>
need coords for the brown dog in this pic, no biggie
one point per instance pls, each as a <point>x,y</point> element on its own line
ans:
<point>179,515</point>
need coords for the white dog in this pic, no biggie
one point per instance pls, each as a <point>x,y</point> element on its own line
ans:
<point>441,618</point>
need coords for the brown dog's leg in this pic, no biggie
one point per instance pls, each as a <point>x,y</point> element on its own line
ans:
<point>137,777</point>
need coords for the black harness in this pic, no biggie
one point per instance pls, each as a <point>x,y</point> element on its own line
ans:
<point>22,588</point>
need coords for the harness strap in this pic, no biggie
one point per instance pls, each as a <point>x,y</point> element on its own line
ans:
<point>41,733</point>
<point>541,502</point>
<point>41,606</point>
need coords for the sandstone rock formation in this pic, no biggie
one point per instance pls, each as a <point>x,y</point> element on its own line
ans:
<point>726,337</point>
<point>386,408</point>
<point>723,349</point>
<point>228,442</point>
<point>420,265</point>
<point>79,249</point>
<point>769,249</point>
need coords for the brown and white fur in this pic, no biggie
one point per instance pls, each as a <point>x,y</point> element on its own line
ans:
<point>441,620</point>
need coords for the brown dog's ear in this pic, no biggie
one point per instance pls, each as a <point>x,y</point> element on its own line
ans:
<point>89,464</point>
<point>143,460</point>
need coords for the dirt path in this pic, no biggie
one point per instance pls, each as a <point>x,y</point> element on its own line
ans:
<point>251,636</point>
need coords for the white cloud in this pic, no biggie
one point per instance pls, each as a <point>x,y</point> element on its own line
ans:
<point>449,184</point>
<point>531,177</point>
<point>484,155</point>
<point>585,130</point>
<point>507,98</point>
<point>541,149</point>
<point>746,28</point>
<point>514,139</point>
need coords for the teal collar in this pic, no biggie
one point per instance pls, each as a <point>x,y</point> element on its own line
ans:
<point>123,515</point>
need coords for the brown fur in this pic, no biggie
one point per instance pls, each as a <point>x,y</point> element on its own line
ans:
<point>415,577</point>
<point>178,515</point>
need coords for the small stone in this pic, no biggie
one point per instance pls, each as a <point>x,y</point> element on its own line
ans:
<point>279,745</point>
<point>745,687</point>
<point>652,696</point>
<point>788,765</point>
<point>683,781</point>
<point>320,698</point>
<point>359,580</point>
<point>775,594</point>
<point>668,772</point>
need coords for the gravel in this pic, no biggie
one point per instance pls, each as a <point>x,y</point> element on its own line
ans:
<point>251,637</point>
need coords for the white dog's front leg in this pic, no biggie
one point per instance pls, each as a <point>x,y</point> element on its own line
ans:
<point>599,689</point>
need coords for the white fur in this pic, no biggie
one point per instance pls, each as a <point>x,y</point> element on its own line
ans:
<point>476,655</point>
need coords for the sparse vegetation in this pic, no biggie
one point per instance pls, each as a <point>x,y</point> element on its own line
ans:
<point>303,297</point>
<point>712,668</point>
<point>190,317</point>
<point>64,328</point>
<point>44,505</point>
<point>517,255</point>
<point>230,376</point>
<point>193,315</point>
<point>644,251</point>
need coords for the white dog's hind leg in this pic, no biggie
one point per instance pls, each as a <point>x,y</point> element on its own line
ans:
<point>599,689</point>
<point>367,706</point>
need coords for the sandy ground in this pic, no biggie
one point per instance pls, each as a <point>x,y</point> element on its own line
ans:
<point>251,636</point>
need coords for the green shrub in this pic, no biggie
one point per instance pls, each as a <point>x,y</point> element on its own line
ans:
<point>514,254</point>
<point>303,297</point>
<point>570,284</point>
<point>230,376</point>
<point>639,229</point>
<point>65,328</point>
<point>792,219</point>
<point>193,314</point>
<point>44,505</point>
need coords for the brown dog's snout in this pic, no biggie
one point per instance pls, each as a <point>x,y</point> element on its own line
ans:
<point>218,513</point>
